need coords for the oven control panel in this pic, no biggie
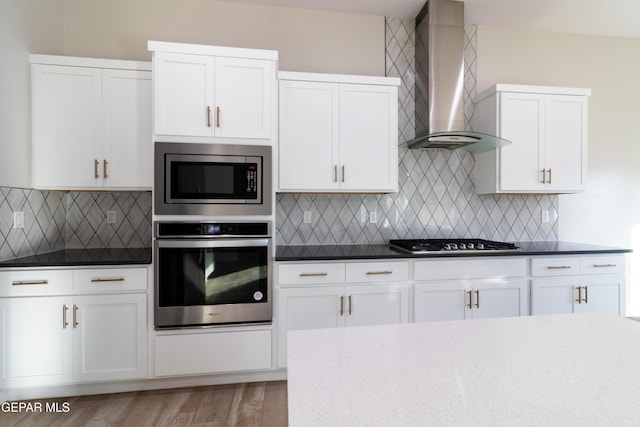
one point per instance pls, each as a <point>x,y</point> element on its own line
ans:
<point>211,229</point>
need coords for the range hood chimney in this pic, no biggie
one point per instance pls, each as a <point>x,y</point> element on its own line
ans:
<point>440,81</point>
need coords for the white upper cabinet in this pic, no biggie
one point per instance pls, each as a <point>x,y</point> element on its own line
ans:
<point>547,127</point>
<point>338,133</point>
<point>213,92</point>
<point>91,123</point>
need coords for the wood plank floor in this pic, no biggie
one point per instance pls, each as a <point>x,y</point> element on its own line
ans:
<point>250,404</point>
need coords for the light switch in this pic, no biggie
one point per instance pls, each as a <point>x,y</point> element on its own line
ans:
<point>18,219</point>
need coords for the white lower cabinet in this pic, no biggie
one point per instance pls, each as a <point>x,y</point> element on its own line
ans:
<point>578,284</point>
<point>335,295</point>
<point>110,337</point>
<point>63,339</point>
<point>460,289</point>
<point>210,352</point>
<point>36,345</point>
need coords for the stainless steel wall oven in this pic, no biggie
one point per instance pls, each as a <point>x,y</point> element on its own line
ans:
<point>212,273</point>
<point>212,179</point>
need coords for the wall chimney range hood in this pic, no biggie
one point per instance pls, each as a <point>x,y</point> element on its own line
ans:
<point>440,81</point>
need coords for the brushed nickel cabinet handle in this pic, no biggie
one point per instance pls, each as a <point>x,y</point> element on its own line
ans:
<point>75,316</point>
<point>544,176</point>
<point>470,305</point>
<point>477,298</point>
<point>115,279</point>
<point>349,305</point>
<point>64,316</point>
<point>558,267</point>
<point>95,168</point>
<point>30,282</point>
<point>105,163</point>
<point>335,173</point>
<point>313,274</point>
<point>549,181</point>
<point>217,117</point>
<point>579,300</point>
<point>604,265</point>
<point>586,295</point>
<point>208,116</point>
<point>342,173</point>
<point>341,305</point>
<point>372,273</point>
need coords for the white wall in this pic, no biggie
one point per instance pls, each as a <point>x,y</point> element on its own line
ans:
<point>25,26</point>
<point>306,40</point>
<point>608,212</point>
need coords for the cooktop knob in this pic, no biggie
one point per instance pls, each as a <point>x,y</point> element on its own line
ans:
<point>480,246</point>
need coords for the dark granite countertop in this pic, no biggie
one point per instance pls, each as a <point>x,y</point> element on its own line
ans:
<point>77,257</point>
<point>347,252</point>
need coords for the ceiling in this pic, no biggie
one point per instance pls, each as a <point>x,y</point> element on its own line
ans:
<point>596,17</point>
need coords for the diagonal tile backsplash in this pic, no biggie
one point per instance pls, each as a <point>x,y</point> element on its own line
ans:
<point>55,220</point>
<point>436,196</point>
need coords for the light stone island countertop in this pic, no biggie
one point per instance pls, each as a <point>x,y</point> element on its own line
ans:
<point>560,370</point>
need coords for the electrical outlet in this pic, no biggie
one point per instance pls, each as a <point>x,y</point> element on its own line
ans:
<point>373,217</point>
<point>545,217</point>
<point>18,219</point>
<point>111,217</point>
<point>306,217</point>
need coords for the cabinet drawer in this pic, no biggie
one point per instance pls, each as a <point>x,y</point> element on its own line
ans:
<point>35,282</point>
<point>300,274</point>
<point>481,268</point>
<point>212,352</point>
<point>602,264</point>
<point>363,272</point>
<point>110,280</point>
<point>555,266</point>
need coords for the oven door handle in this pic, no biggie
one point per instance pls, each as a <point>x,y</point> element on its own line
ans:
<point>212,243</point>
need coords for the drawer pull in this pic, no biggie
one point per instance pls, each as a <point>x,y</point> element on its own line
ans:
<point>342,305</point>
<point>477,298</point>
<point>604,265</point>
<point>313,274</point>
<point>470,305</point>
<point>349,305</point>
<point>579,300</point>
<point>115,279</point>
<point>30,282</point>
<point>558,267</point>
<point>371,273</point>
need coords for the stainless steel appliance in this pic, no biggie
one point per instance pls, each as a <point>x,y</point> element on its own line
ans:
<point>212,179</point>
<point>450,246</point>
<point>212,273</point>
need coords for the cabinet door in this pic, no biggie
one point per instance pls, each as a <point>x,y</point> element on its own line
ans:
<point>309,136</point>
<point>244,94</point>
<point>183,92</point>
<point>499,298</point>
<point>377,305</point>
<point>368,137</point>
<point>308,308</point>
<point>67,134</point>
<point>522,123</point>
<point>601,295</point>
<point>127,143</point>
<point>36,341</point>
<point>110,337</point>
<point>553,296</point>
<point>565,151</point>
<point>441,301</point>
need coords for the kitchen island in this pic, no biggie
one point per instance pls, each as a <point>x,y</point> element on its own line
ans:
<point>576,369</point>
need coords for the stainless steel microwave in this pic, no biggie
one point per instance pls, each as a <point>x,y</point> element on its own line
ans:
<point>212,179</point>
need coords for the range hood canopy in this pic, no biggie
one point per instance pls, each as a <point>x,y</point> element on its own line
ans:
<point>440,81</point>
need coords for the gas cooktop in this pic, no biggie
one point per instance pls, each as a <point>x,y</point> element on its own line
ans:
<point>435,246</point>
